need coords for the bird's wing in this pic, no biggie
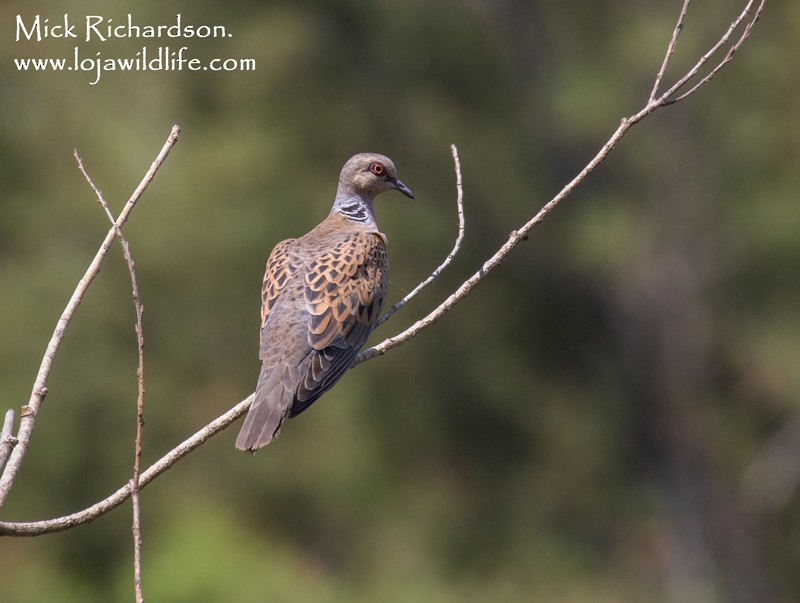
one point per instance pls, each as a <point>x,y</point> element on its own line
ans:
<point>280,269</point>
<point>279,342</point>
<point>344,292</point>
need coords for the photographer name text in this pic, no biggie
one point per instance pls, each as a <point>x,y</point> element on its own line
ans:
<point>98,28</point>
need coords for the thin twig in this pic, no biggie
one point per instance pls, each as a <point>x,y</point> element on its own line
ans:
<point>667,99</point>
<point>39,391</point>
<point>7,439</point>
<point>138,309</point>
<point>501,254</point>
<point>728,55</point>
<point>459,238</point>
<point>670,50</point>
<point>137,463</point>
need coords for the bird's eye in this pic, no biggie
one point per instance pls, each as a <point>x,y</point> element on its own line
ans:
<point>377,169</point>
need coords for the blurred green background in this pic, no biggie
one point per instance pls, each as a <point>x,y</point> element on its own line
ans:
<point>611,416</point>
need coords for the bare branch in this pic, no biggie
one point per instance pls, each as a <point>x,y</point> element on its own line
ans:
<point>138,309</point>
<point>28,415</point>
<point>501,254</point>
<point>7,439</point>
<point>626,124</point>
<point>726,37</point>
<point>731,51</point>
<point>49,526</point>
<point>459,238</point>
<point>670,50</point>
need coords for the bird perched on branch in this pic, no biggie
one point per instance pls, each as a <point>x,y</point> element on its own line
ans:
<point>321,296</point>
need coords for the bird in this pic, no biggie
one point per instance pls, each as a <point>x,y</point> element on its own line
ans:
<point>321,296</point>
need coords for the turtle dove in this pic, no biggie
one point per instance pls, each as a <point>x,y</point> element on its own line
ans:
<point>321,296</point>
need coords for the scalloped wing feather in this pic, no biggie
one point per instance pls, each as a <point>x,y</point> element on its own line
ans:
<point>280,269</point>
<point>344,292</point>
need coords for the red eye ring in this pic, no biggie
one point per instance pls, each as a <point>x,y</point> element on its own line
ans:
<point>377,169</point>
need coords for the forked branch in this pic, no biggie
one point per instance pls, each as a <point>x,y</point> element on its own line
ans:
<point>31,410</point>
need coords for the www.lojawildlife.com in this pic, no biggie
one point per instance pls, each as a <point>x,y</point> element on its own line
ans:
<point>100,29</point>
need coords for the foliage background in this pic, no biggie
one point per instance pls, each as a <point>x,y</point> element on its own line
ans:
<point>584,427</point>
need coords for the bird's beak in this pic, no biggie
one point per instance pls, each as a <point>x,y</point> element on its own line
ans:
<point>402,188</point>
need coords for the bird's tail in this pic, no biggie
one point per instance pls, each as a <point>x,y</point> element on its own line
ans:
<point>270,405</point>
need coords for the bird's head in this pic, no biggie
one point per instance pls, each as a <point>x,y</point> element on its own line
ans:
<point>369,175</point>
